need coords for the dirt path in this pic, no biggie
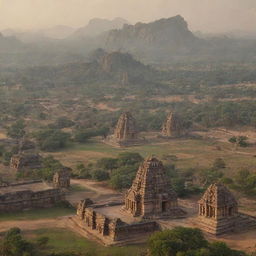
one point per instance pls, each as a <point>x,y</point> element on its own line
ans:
<point>94,186</point>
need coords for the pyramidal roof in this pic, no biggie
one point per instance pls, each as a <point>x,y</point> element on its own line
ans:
<point>151,179</point>
<point>125,125</point>
<point>171,124</point>
<point>218,195</point>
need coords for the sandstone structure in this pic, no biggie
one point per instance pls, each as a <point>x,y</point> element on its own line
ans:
<point>126,128</point>
<point>110,230</point>
<point>33,194</point>
<point>125,133</point>
<point>26,161</point>
<point>151,195</point>
<point>218,210</point>
<point>61,179</point>
<point>172,126</point>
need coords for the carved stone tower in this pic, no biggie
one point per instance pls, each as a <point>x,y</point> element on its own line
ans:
<point>172,126</point>
<point>126,128</point>
<point>218,210</point>
<point>151,195</point>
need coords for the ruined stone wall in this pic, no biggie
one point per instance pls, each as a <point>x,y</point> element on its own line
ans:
<point>114,229</point>
<point>134,230</point>
<point>27,199</point>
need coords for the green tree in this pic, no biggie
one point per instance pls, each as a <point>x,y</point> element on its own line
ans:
<point>17,130</point>
<point>179,239</point>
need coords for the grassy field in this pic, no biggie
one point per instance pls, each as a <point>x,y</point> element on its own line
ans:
<point>37,214</point>
<point>61,240</point>
<point>190,153</point>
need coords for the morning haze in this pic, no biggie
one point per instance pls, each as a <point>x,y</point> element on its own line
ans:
<point>205,15</point>
<point>127,127</point>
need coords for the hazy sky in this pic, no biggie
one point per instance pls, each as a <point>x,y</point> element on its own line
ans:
<point>205,15</point>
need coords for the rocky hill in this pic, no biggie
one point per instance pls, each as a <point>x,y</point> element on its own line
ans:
<point>163,36</point>
<point>98,26</point>
<point>115,67</point>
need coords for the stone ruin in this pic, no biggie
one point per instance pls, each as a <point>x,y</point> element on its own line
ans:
<point>218,212</point>
<point>61,179</point>
<point>108,229</point>
<point>151,194</point>
<point>173,126</point>
<point>27,157</point>
<point>125,133</point>
<point>25,160</point>
<point>28,195</point>
<point>150,197</point>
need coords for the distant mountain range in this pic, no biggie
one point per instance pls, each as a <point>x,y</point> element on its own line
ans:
<point>98,26</point>
<point>162,41</point>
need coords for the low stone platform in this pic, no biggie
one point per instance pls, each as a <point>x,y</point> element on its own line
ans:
<point>109,225</point>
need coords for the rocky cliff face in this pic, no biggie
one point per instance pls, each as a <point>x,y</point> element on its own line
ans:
<point>165,35</point>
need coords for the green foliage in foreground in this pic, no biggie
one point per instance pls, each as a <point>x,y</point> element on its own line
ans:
<point>182,241</point>
<point>65,243</point>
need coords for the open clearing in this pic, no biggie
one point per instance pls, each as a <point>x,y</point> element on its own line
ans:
<point>190,153</point>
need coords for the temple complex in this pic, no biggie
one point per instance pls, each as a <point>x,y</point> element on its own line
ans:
<point>125,133</point>
<point>172,126</point>
<point>151,194</point>
<point>218,210</point>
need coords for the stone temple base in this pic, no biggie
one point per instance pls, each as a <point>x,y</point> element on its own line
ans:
<point>218,227</point>
<point>131,234</point>
<point>111,140</point>
<point>175,213</point>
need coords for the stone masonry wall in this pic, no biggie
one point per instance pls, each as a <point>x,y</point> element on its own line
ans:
<point>21,200</point>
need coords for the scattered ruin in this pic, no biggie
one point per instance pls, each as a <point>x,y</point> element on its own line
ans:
<point>151,194</point>
<point>25,160</point>
<point>173,126</point>
<point>125,133</point>
<point>28,195</point>
<point>109,229</point>
<point>61,179</point>
<point>218,212</point>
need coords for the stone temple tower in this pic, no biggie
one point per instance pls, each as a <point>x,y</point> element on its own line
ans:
<point>172,126</point>
<point>151,195</point>
<point>218,210</point>
<point>126,128</point>
<point>125,133</point>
